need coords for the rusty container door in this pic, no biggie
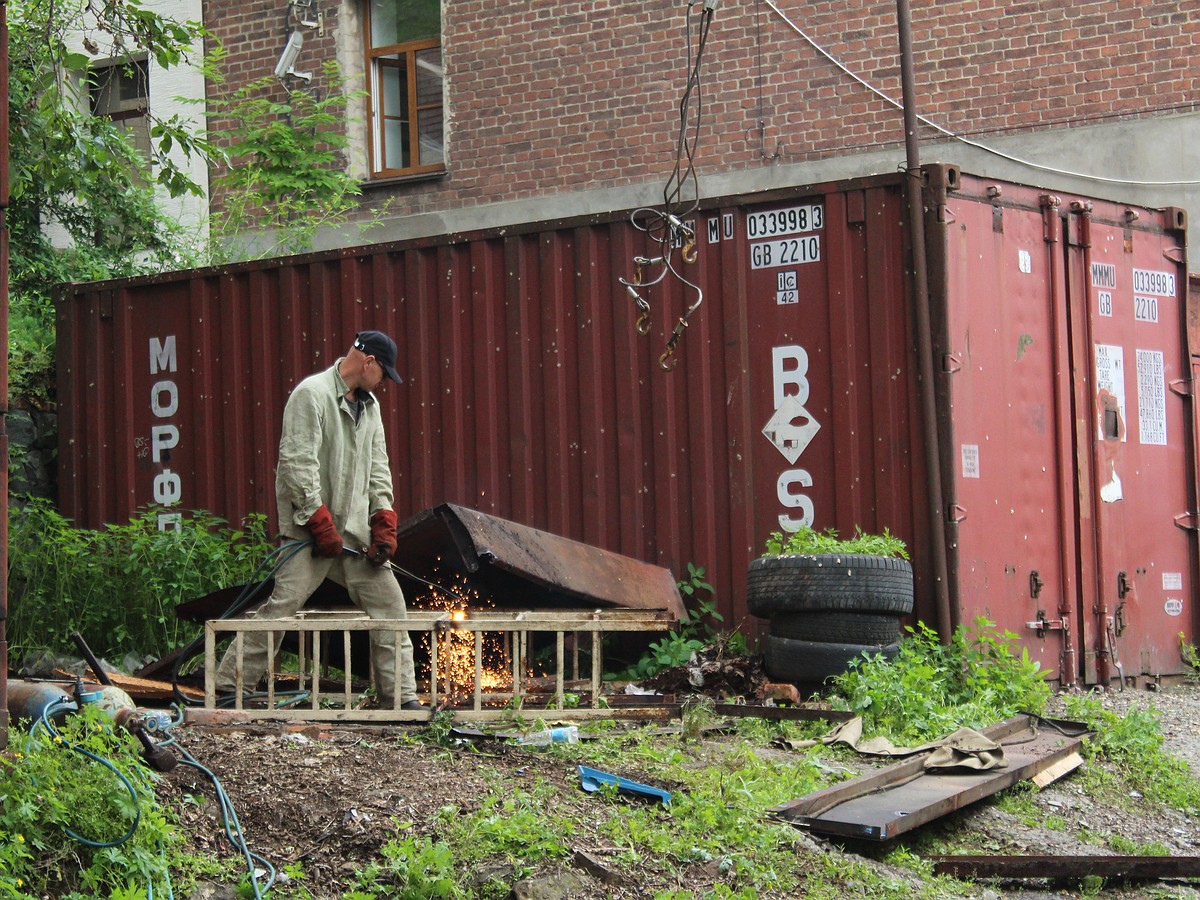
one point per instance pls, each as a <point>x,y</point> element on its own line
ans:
<point>1069,427</point>
<point>1010,502</point>
<point>1128,287</point>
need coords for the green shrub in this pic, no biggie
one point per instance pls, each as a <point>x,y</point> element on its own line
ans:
<point>119,586</point>
<point>695,632</point>
<point>931,689</point>
<point>55,800</point>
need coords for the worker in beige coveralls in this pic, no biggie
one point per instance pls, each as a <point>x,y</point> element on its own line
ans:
<point>333,486</point>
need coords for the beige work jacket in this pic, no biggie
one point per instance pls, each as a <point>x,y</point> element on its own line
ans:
<point>327,457</point>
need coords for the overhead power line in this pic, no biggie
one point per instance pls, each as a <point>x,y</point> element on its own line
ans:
<point>959,137</point>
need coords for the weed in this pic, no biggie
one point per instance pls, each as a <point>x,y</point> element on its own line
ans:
<point>696,713</point>
<point>810,542</point>
<point>418,868</point>
<point>1187,652</point>
<point>1123,845</point>
<point>694,633</point>
<point>1133,743</point>
<point>931,689</point>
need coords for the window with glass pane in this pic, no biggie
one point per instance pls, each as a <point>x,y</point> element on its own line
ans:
<point>404,62</point>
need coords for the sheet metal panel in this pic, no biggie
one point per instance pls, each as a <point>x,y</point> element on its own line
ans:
<point>492,561</point>
<point>901,797</point>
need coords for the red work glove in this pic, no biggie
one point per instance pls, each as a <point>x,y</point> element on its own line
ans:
<point>383,537</point>
<point>327,540</point>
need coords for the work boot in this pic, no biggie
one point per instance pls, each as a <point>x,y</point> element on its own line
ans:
<point>414,705</point>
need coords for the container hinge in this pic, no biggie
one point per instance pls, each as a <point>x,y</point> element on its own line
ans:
<point>1188,521</point>
<point>956,513</point>
<point>1174,254</point>
<point>1181,387</point>
<point>945,215</point>
<point>1041,624</point>
<point>951,364</point>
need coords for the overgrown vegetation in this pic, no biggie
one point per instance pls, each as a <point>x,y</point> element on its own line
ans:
<point>931,688</point>
<point>118,587</point>
<point>697,629</point>
<point>523,823</point>
<point>49,791</point>
<point>82,174</point>
<point>286,176</point>
<point>809,542</point>
<point>1133,744</point>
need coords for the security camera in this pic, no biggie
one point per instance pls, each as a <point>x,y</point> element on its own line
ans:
<point>287,59</point>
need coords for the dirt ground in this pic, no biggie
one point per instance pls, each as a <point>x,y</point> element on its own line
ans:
<point>330,797</point>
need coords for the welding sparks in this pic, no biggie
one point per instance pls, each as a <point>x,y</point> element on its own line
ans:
<point>456,647</point>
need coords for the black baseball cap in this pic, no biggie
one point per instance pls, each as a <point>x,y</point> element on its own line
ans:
<point>383,348</point>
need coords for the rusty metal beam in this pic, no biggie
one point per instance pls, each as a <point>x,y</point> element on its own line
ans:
<point>1130,868</point>
<point>783,713</point>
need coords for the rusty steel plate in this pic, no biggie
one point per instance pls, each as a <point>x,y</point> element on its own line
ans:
<point>903,796</point>
<point>487,559</point>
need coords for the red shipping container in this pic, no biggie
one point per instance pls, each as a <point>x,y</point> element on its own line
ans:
<point>1063,374</point>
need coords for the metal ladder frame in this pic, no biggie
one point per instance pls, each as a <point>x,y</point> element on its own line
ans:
<point>519,624</point>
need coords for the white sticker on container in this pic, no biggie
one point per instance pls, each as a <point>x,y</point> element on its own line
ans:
<point>789,252</point>
<point>1150,281</point>
<point>1173,606</point>
<point>1104,303</point>
<point>970,460</point>
<point>1172,581</point>
<point>1110,389</point>
<point>1104,275</point>
<point>1152,398</point>
<point>1025,261</point>
<point>787,287</point>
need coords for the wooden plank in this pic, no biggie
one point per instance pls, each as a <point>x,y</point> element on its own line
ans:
<point>1063,767</point>
<point>783,713</point>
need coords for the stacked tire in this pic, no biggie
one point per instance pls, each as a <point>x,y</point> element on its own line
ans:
<point>827,609</point>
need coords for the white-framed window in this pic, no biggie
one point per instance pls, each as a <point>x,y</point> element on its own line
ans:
<point>404,84</point>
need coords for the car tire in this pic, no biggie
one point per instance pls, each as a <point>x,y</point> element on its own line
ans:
<point>837,627</point>
<point>812,662</point>
<point>829,582</point>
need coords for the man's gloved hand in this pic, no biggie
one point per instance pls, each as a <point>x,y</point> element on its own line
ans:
<point>327,540</point>
<point>383,537</point>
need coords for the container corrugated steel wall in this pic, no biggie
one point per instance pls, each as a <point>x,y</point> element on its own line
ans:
<point>530,395</point>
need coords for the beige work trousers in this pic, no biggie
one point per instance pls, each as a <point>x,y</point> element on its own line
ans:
<point>373,589</point>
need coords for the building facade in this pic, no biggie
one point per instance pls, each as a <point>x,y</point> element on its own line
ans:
<point>477,114</point>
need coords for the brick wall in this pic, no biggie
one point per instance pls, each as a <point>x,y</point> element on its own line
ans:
<point>548,97</point>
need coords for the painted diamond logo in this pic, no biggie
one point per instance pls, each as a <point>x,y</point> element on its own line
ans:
<point>791,429</point>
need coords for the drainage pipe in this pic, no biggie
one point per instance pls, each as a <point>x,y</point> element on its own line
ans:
<point>916,227</point>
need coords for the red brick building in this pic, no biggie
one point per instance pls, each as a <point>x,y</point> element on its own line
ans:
<point>535,110</point>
